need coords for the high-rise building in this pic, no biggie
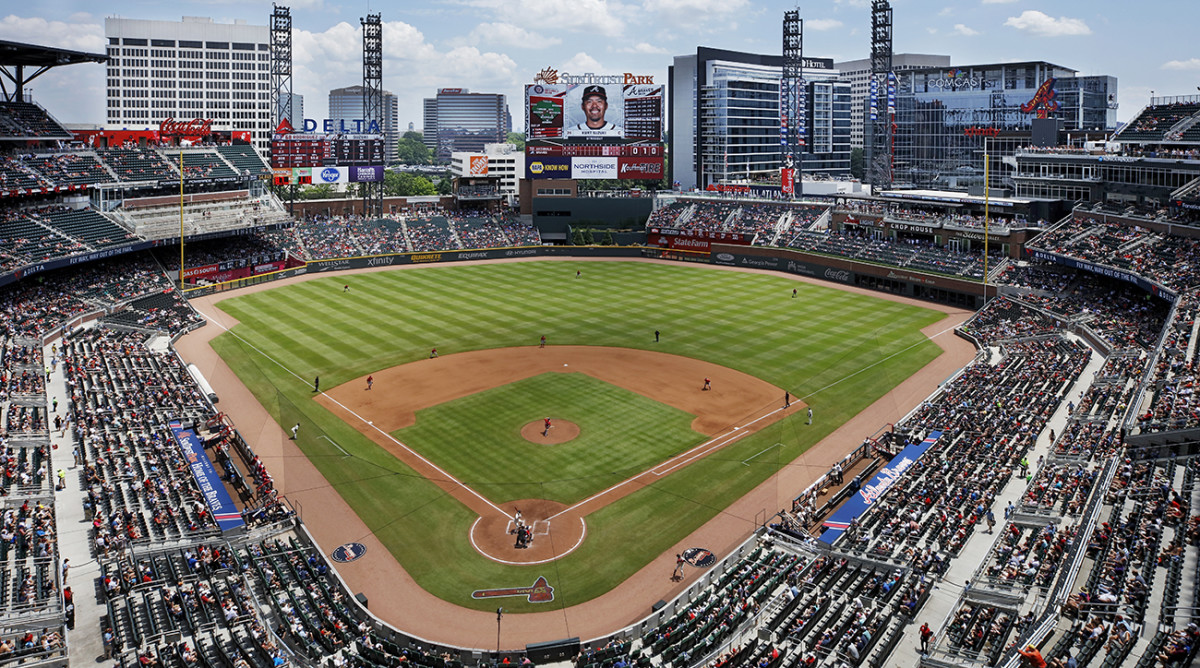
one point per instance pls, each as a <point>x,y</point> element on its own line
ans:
<point>945,116</point>
<point>858,73</point>
<point>724,110</point>
<point>187,69</point>
<point>293,108</point>
<point>459,120</point>
<point>346,107</point>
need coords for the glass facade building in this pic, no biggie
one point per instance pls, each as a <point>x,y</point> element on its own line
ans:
<point>461,121</point>
<point>725,118</point>
<point>346,104</point>
<point>944,116</point>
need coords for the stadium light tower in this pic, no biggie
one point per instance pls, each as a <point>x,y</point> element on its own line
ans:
<point>883,85</point>
<point>372,91</point>
<point>792,102</point>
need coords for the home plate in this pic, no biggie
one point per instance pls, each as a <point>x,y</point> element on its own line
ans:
<point>564,365</point>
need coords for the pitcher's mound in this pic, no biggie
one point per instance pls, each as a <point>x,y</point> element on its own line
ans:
<point>561,431</point>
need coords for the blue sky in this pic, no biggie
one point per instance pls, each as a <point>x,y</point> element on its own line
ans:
<point>498,45</point>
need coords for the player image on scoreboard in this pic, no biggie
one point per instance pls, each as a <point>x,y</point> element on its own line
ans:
<point>593,111</point>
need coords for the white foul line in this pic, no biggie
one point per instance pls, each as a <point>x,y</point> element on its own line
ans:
<point>386,435</point>
<point>335,444</point>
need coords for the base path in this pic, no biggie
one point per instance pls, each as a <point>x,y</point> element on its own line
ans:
<point>397,599</point>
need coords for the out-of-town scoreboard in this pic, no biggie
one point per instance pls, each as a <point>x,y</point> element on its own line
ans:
<point>340,152</point>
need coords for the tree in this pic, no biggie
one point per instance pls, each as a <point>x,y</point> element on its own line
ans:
<point>445,186</point>
<point>577,237</point>
<point>517,138</point>
<point>411,149</point>
<point>608,239</point>
<point>856,163</point>
<point>318,191</point>
<point>589,238</point>
<point>403,184</point>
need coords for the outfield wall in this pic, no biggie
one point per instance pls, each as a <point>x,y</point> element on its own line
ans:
<point>928,287</point>
<point>881,278</point>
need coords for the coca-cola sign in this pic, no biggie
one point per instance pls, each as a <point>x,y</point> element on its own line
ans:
<point>197,127</point>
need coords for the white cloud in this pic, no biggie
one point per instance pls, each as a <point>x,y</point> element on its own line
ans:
<point>931,31</point>
<point>644,48</point>
<point>946,11</point>
<point>861,4</point>
<point>1189,64</point>
<point>822,24</point>
<point>998,2</point>
<point>704,14</point>
<point>965,30</point>
<point>591,16</point>
<point>507,34</point>
<point>581,63</point>
<point>83,35</point>
<point>1043,25</point>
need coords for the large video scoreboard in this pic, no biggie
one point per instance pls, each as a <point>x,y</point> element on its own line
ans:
<point>325,150</point>
<point>594,127</point>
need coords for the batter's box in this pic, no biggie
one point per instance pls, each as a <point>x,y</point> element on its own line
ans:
<point>539,527</point>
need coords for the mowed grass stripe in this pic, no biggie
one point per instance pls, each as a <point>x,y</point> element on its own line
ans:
<point>477,438</point>
<point>747,322</point>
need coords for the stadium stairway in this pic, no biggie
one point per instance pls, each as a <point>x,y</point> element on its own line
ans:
<point>84,642</point>
<point>946,597</point>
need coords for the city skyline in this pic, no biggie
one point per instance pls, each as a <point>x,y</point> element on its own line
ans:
<point>492,46</point>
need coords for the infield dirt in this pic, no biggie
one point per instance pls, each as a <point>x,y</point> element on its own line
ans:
<point>397,599</point>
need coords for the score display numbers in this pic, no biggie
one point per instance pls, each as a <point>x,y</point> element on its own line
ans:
<point>313,150</point>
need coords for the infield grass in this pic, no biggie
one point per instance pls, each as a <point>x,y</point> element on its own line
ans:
<point>836,350</point>
<point>477,438</point>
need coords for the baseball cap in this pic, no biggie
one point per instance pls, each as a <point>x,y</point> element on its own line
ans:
<point>595,90</point>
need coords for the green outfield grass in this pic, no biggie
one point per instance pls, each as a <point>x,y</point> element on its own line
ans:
<point>836,350</point>
<point>477,438</point>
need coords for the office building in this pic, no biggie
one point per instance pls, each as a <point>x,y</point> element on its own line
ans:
<point>492,173</point>
<point>459,120</point>
<point>292,107</point>
<point>944,116</point>
<point>724,117</point>
<point>858,73</point>
<point>187,69</point>
<point>346,107</point>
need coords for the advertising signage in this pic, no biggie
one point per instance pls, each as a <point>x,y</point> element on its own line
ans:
<point>554,167</point>
<point>594,111</point>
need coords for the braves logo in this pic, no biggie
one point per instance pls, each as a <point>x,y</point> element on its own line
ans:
<point>1043,100</point>
<point>540,592</point>
<point>344,554</point>
<point>548,75</point>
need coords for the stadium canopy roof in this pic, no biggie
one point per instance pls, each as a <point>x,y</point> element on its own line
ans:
<point>16,56</point>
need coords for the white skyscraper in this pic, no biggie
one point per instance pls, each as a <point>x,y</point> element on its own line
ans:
<point>193,68</point>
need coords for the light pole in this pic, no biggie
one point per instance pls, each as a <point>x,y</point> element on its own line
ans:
<point>181,216</point>
<point>987,191</point>
<point>499,614</point>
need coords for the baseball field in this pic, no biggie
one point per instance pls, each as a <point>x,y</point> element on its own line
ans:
<point>439,454</point>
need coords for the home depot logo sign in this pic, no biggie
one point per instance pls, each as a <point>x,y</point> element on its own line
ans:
<point>478,166</point>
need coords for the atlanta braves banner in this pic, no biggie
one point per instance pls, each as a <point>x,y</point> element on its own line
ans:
<point>858,504</point>
<point>219,502</point>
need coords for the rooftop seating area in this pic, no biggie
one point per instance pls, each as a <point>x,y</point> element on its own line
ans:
<point>244,158</point>
<point>69,168</point>
<point>206,164</point>
<point>14,175</point>
<point>137,164</point>
<point>28,120</point>
<point>1154,122</point>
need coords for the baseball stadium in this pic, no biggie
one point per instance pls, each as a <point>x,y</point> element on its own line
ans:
<point>752,427</point>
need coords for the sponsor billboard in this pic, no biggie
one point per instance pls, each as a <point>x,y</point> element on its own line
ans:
<point>594,168</point>
<point>366,174</point>
<point>331,175</point>
<point>478,166</point>
<point>639,168</point>
<point>220,504</point>
<point>547,168</point>
<point>590,111</point>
